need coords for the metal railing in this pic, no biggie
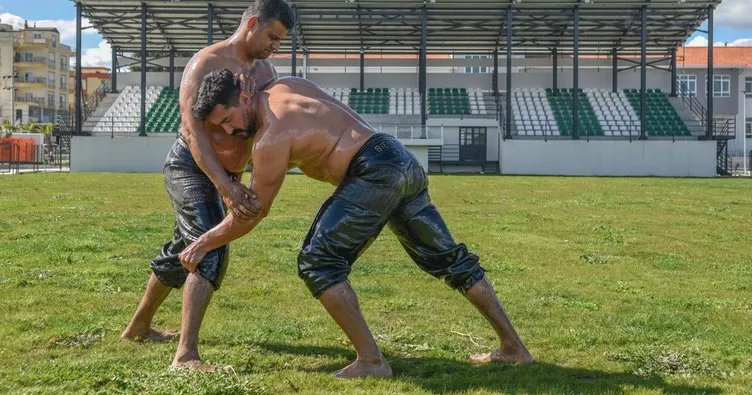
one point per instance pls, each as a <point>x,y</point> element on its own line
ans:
<point>32,59</point>
<point>27,40</point>
<point>690,101</point>
<point>15,158</point>
<point>115,126</point>
<point>32,99</point>
<point>724,128</point>
<point>32,80</point>
<point>91,102</point>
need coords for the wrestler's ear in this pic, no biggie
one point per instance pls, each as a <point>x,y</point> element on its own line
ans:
<point>245,98</point>
<point>252,23</point>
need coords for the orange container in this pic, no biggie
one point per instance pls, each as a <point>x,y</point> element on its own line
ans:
<point>17,150</point>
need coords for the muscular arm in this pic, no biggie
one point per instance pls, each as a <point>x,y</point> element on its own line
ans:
<point>270,167</point>
<point>198,140</point>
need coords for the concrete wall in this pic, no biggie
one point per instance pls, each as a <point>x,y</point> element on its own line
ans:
<point>120,154</point>
<point>147,154</point>
<point>609,158</point>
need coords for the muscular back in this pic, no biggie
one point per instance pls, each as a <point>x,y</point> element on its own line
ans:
<point>233,152</point>
<point>323,134</point>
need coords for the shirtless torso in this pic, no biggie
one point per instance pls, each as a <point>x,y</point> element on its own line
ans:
<point>322,133</point>
<point>233,152</point>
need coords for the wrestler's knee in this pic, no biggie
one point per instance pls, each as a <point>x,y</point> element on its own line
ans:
<point>214,266</point>
<point>320,272</point>
<point>169,272</point>
<point>459,267</point>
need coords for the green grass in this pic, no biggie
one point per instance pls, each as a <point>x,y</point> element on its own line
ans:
<point>615,285</point>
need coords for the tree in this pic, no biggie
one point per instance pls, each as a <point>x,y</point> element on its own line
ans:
<point>6,129</point>
<point>48,128</point>
<point>29,127</point>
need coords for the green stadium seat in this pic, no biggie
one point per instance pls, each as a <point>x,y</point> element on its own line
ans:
<point>370,101</point>
<point>663,120</point>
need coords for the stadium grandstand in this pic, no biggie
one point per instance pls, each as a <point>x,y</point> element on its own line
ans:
<point>600,87</point>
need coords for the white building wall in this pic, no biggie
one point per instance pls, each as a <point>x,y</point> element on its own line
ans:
<point>609,158</point>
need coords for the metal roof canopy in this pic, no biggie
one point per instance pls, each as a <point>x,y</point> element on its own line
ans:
<point>391,27</point>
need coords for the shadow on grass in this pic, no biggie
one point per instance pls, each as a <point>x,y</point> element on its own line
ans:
<point>442,375</point>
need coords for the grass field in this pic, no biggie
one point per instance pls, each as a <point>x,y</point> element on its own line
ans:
<point>615,285</point>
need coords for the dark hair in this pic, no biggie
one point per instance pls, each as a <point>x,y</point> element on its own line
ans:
<point>217,87</point>
<point>270,10</point>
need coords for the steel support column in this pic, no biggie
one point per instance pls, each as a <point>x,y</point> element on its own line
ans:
<point>422,67</point>
<point>113,78</point>
<point>495,77</point>
<point>711,84</point>
<point>362,70</point>
<point>673,72</point>
<point>508,115</point>
<point>643,73</point>
<point>294,52</point>
<point>576,75</point>
<point>210,25</point>
<point>142,129</point>
<point>615,70</point>
<point>555,60</point>
<point>171,68</point>
<point>79,110</point>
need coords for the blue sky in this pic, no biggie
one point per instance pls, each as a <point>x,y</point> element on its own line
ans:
<point>733,25</point>
<point>51,10</point>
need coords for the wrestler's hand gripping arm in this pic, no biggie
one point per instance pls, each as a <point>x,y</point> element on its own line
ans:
<point>270,168</point>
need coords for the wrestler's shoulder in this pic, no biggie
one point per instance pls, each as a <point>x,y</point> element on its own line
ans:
<point>208,58</point>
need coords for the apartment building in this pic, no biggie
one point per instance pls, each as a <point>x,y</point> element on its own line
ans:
<point>34,66</point>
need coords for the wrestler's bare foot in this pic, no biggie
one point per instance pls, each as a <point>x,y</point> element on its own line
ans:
<point>149,334</point>
<point>517,355</point>
<point>198,366</point>
<point>361,368</point>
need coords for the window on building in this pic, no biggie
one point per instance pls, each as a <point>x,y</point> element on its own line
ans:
<point>687,84</point>
<point>748,85</point>
<point>721,85</point>
<point>476,69</point>
<point>748,128</point>
<point>29,57</point>
<point>62,101</point>
<point>37,35</point>
<point>51,99</point>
